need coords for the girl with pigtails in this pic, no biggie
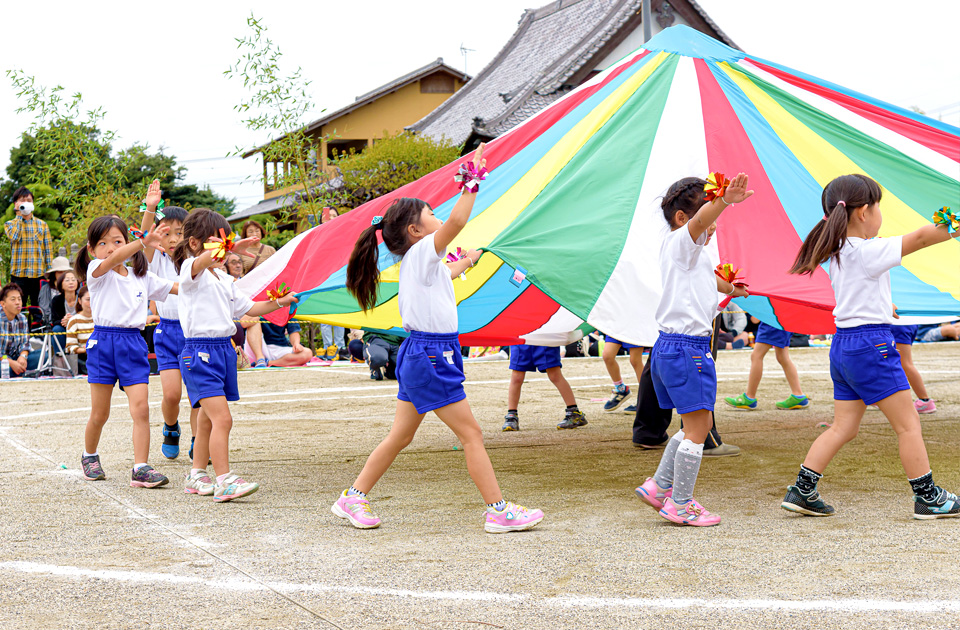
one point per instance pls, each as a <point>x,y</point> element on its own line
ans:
<point>429,363</point>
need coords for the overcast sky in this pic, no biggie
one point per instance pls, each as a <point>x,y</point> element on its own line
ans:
<point>157,68</point>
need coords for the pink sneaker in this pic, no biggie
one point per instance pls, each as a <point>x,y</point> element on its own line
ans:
<point>651,494</point>
<point>690,514</point>
<point>925,407</point>
<point>357,510</point>
<point>513,518</point>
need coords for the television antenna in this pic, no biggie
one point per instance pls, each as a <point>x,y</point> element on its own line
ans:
<point>464,51</point>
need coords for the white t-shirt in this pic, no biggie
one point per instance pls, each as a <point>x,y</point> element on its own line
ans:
<point>121,301</point>
<point>427,302</point>
<point>690,298</point>
<point>162,265</point>
<point>209,303</point>
<point>861,280</point>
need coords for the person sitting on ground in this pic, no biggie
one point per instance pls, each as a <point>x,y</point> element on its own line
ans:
<point>50,288</point>
<point>15,332</point>
<point>947,331</point>
<point>79,329</point>
<point>269,346</point>
<point>252,229</point>
<point>380,351</point>
<point>733,329</point>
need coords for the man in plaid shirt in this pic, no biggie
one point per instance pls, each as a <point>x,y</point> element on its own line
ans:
<point>30,245</point>
<point>14,332</point>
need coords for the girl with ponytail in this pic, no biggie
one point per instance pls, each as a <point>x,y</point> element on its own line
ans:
<point>864,362</point>
<point>429,363</point>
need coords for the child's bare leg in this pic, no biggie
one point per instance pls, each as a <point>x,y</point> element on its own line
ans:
<point>847,415</point>
<point>636,361</point>
<point>903,417</point>
<point>459,417</point>
<point>610,351</point>
<point>756,368</point>
<point>100,396</point>
<point>140,412</point>
<point>913,374</point>
<point>201,443</point>
<point>172,392</point>
<point>513,391</point>
<point>789,370</point>
<point>405,425</point>
<point>556,377</point>
<point>194,414</point>
<point>217,444</point>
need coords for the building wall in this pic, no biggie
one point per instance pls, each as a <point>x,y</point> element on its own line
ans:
<point>634,41</point>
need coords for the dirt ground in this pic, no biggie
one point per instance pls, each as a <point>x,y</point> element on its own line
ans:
<point>80,554</point>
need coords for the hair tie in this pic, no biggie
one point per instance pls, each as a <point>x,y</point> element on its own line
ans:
<point>377,222</point>
<point>842,203</point>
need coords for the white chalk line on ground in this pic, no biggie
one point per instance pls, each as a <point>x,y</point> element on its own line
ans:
<point>246,585</point>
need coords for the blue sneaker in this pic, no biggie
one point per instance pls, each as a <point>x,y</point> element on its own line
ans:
<point>171,441</point>
<point>190,453</point>
<point>620,393</point>
<point>946,506</point>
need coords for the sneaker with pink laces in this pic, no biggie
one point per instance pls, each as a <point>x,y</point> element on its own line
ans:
<point>928,406</point>
<point>651,494</point>
<point>513,518</point>
<point>357,510</point>
<point>691,513</point>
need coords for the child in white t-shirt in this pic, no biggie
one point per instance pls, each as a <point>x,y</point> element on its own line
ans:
<point>683,371</point>
<point>209,304</point>
<point>429,363</point>
<point>116,352</point>
<point>864,362</point>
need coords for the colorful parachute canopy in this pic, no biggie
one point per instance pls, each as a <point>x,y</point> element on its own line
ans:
<point>573,200</point>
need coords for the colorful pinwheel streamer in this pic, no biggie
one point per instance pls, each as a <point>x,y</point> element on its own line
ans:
<point>460,255</point>
<point>946,216</point>
<point>159,211</point>
<point>224,245</point>
<point>135,233</point>
<point>716,186</point>
<point>726,272</point>
<point>278,292</point>
<point>469,177</point>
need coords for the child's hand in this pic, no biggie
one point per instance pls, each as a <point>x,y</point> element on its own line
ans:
<point>896,315</point>
<point>478,161</point>
<point>154,237</point>
<point>153,195</point>
<point>737,190</point>
<point>287,300</point>
<point>240,247</point>
<point>474,255</point>
<point>740,291</point>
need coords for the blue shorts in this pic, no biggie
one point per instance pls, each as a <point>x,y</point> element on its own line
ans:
<point>904,334</point>
<point>430,370</point>
<point>623,344</point>
<point>865,364</point>
<point>773,336</point>
<point>533,358</point>
<point>117,354</point>
<point>684,374</point>
<point>168,344</point>
<point>209,369</point>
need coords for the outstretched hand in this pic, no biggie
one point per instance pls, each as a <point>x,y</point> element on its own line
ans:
<point>153,237</point>
<point>737,190</point>
<point>478,161</point>
<point>153,195</point>
<point>240,247</point>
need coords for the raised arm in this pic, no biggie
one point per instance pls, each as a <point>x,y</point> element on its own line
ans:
<point>925,237</point>
<point>709,212</point>
<point>119,256</point>
<point>461,211</point>
<point>152,200</point>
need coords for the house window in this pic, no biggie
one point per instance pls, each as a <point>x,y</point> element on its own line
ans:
<point>439,83</point>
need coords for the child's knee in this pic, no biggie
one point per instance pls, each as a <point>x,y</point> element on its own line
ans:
<point>172,398</point>
<point>555,375</point>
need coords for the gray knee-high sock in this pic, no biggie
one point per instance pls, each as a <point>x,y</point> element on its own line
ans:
<point>664,474</point>
<point>685,470</point>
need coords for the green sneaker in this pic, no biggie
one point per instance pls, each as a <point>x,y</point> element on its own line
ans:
<point>742,402</point>
<point>794,402</point>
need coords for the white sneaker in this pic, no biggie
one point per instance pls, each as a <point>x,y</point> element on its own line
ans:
<point>233,487</point>
<point>199,483</point>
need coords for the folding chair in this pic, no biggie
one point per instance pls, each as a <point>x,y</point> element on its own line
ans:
<point>50,347</point>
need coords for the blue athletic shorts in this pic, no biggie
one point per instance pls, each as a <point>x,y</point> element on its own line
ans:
<point>904,334</point>
<point>865,364</point>
<point>684,374</point>
<point>209,369</point>
<point>533,358</point>
<point>117,354</point>
<point>430,370</point>
<point>623,344</point>
<point>168,344</point>
<point>773,336</point>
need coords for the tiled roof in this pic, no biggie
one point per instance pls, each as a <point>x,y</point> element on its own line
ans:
<point>549,54</point>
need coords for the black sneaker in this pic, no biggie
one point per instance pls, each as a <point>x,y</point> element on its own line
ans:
<point>511,422</point>
<point>92,471</point>
<point>376,374</point>
<point>946,506</point>
<point>573,420</point>
<point>190,453</point>
<point>810,505</point>
<point>171,441</point>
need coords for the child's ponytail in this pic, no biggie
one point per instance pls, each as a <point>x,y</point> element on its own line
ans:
<point>98,228</point>
<point>840,198</point>
<point>81,263</point>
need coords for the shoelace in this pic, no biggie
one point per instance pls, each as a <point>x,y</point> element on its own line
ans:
<point>95,467</point>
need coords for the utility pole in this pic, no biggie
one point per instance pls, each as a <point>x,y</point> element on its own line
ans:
<point>645,20</point>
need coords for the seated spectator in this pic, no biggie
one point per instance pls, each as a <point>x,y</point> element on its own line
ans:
<point>261,253</point>
<point>15,332</point>
<point>947,331</point>
<point>380,351</point>
<point>64,304</point>
<point>268,345</point>
<point>733,333</point>
<point>79,329</point>
<point>50,288</point>
<point>234,265</point>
